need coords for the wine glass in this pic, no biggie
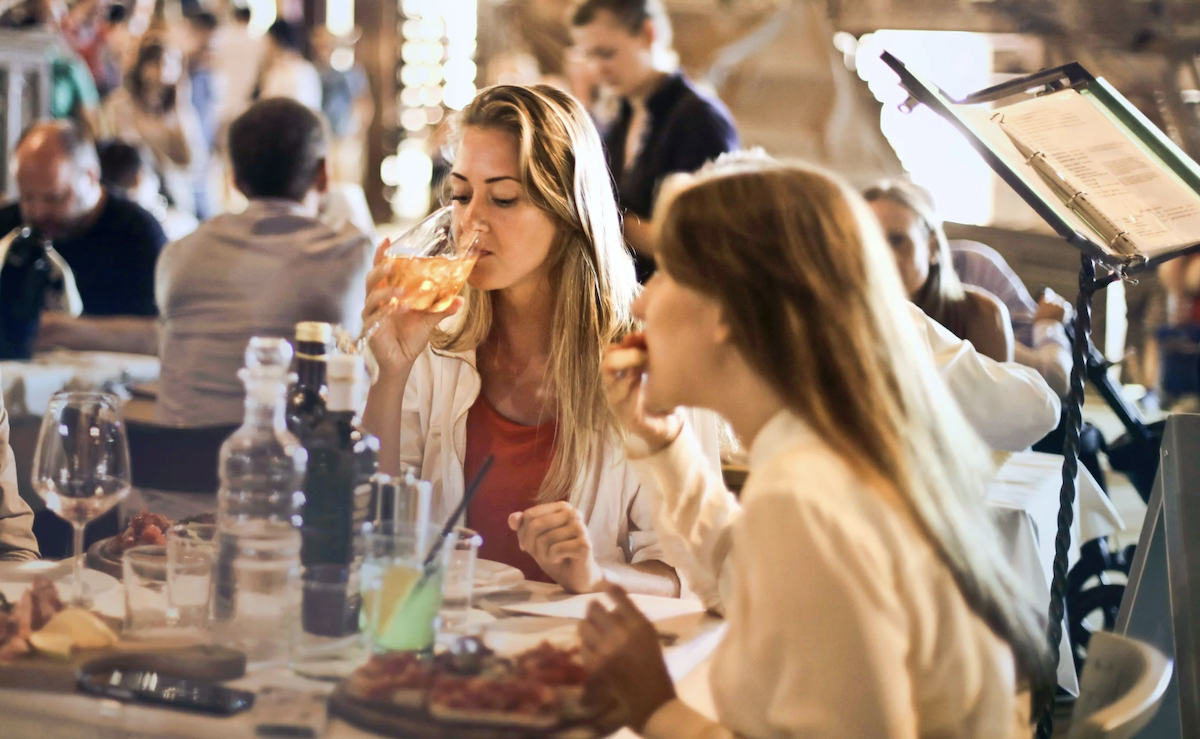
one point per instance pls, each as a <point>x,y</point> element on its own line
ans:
<point>81,467</point>
<point>432,261</point>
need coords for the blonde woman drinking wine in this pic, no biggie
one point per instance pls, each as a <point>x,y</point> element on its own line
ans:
<point>863,585</point>
<point>516,374</point>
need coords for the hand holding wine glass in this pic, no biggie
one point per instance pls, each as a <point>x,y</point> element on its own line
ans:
<point>81,466</point>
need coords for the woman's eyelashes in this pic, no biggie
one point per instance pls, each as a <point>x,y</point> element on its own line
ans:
<point>499,202</point>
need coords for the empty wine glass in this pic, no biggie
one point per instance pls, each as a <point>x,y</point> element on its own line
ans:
<point>81,466</point>
<point>431,263</point>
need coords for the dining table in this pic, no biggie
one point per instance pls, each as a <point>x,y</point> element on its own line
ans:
<point>690,634</point>
<point>1022,497</point>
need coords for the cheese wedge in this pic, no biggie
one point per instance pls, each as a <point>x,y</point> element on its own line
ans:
<point>84,628</point>
<point>54,646</point>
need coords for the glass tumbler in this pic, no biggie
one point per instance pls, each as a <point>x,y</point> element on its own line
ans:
<point>460,578</point>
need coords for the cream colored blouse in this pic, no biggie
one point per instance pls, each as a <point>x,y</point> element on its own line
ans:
<point>842,620</point>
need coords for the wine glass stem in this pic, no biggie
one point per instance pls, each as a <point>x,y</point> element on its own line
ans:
<point>79,594</point>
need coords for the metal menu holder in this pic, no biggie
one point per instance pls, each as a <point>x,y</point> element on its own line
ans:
<point>1162,600</point>
<point>1122,193</point>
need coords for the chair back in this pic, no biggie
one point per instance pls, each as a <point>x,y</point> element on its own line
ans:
<point>1121,689</point>
<point>173,458</point>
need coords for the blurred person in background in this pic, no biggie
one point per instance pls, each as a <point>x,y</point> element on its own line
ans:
<point>258,272</point>
<point>119,50</point>
<point>73,93</point>
<point>285,71</point>
<point>914,231</point>
<point>109,243</point>
<point>1039,327</point>
<point>154,109</point>
<point>665,124</point>
<point>346,101</point>
<point>207,87</point>
<point>1178,341</point>
<point>127,171</point>
<point>237,55</point>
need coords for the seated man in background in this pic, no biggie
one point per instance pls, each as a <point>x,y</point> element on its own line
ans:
<point>17,541</point>
<point>1039,337</point>
<point>109,243</point>
<point>127,171</point>
<point>255,273</point>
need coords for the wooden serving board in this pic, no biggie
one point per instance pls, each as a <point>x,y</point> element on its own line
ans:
<point>200,661</point>
<point>416,723</point>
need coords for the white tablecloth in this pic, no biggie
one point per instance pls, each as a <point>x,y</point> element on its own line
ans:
<point>27,386</point>
<point>1024,498</point>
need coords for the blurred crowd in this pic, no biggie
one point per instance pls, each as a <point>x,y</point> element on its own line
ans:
<point>158,90</point>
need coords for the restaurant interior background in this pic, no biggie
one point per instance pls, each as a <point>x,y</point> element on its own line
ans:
<point>802,78</point>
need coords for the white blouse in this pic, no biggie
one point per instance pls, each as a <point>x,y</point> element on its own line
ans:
<point>615,504</point>
<point>842,620</point>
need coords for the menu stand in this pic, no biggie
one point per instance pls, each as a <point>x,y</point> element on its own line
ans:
<point>1092,246</point>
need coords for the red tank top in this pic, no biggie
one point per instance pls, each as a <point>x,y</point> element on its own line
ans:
<point>523,455</point>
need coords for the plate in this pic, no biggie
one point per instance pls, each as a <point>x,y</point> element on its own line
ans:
<point>16,576</point>
<point>491,577</point>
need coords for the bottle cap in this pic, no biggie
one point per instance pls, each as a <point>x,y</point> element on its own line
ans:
<point>314,331</point>
<point>344,367</point>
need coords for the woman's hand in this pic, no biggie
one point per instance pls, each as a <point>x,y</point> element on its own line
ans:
<point>620,648</point>
<point>621,371</point>
<point>402,334</point>
<point>1052,307</point>
<point>555,536</point>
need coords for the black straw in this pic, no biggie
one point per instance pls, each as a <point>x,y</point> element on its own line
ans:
<point>458,512</point>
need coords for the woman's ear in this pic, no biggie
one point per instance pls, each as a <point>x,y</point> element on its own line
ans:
<point>935,251</point>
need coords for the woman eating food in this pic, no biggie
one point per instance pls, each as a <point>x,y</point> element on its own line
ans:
<point>515,375</point>
<point>914,231</point>
<point>864,588</point>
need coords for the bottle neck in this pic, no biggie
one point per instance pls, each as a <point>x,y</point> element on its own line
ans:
<point>310,364</point>
<point>265,405</point>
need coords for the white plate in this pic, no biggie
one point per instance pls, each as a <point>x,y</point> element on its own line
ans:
<point>491,577</point>
<point>16,576</point>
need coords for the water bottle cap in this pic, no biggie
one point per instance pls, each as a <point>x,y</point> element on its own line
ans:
<point>263,351</point>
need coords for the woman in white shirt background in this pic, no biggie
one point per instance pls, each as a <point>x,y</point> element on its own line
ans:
<point>552,288</point>
<point>861,578</point>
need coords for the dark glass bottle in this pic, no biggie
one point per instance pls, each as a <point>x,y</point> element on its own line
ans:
<point>306,398</point>
<point>26,275</point>
<point>342,459</point>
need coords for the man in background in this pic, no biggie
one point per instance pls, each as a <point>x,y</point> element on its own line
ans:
<point>255,273</point>
<point>109,243</point>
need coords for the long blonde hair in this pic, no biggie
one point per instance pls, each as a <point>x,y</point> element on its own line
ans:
<point>563,171</point>
<point>809,288</point>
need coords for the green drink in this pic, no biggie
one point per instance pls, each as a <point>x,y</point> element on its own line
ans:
<point>411,624</point>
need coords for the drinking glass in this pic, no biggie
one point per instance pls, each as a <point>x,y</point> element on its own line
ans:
<point>166,591</point>
<point>81,466</point>
<point>460,578</point>
<point>401,599</point>
<point>191,554</point>
<point>430,265</point>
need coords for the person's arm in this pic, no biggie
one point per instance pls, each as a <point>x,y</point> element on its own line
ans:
<point>1011,407</point>
<point>835,666</point>
<point>990,328</point>
<point>694,516</point>
<point>129,334</point>
<point>17,541</point>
